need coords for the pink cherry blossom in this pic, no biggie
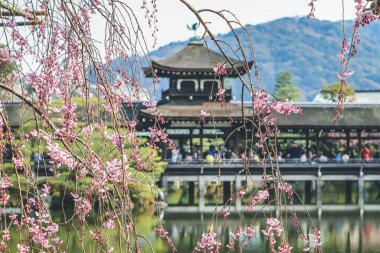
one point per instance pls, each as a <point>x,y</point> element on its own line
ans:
<point>220,94</point>
<point>46,190</point>
<point>82,206</point>
<point>285,248</point>
<point>160,230</point>
<point>261,195</point>
<point>6,235</point>
<point>13,219</point>
<point>316,238</point>
<point>22,248</point>
<point>4,197</point>
<point>18,161</point>
<point>287,189</point>
<point>250,232</point>
<point>5,182</point>
<point>109,224</point>
<point>235,238</point>
<point>208,244</point>
<point>203,116</point>
<point>241,194</point>
<point>220,69</point>
<point>97,236</point>
<point>10,24</point>
<point>4,56</point>
<point>273,225</point>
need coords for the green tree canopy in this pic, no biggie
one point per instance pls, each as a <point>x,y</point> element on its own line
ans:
<point>284,79</point>
<point>330,91</point>
<point>285,87</point>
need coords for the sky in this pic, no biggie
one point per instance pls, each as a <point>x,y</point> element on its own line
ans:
<point>173,16</point>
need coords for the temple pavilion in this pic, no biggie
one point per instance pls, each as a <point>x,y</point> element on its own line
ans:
<point>193,86</point>
<point>191,75</point>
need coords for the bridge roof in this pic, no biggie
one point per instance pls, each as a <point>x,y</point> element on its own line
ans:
<point>354,115</point>
<point>312,116</point>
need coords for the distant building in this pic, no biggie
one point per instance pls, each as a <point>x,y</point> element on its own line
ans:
<point>361,97</point>
<point>367,97</point>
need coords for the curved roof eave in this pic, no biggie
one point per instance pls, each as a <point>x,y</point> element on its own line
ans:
<point>168,71</point>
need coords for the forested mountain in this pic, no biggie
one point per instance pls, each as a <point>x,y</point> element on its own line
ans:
<point>306,48</point>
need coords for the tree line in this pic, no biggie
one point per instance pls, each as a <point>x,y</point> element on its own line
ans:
<point>286,89</point>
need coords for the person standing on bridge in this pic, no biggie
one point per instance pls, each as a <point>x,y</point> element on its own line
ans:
<point>175,155</point>
<point>212,152</point>
<point>345,158</point>
<point>366,153</point>
<point>338,157</point>
<point>223,152</point>
<point>197,153</point>
<point>323,158</point>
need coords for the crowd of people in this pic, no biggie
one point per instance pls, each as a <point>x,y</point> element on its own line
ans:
<point>293,152</point>
<point>212,154</point>
<point>296,152</point>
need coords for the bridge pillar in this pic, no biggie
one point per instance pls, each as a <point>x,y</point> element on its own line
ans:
<point>319,188</point>
<point>191,193</point>
<point>237,189</point>
<point>226,191</point>
<point>164,183</point>
<point>348,192</point>
<point>202,193</point>
<point>361,190</point>
<point>307,199</point>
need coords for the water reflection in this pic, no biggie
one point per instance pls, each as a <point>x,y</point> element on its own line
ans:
<point>341,232</point>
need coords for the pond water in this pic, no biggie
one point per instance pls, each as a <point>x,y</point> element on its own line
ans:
<point>341,232</point>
